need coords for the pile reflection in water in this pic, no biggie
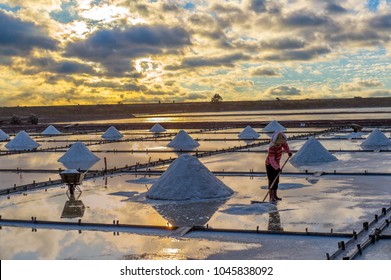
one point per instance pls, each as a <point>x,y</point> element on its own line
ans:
<point>189,213</point>
<point>73,208</point>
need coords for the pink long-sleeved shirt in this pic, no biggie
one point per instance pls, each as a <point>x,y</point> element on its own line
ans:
<point>274,154</point>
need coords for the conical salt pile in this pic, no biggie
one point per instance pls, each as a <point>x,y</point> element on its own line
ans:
<point>157,128</point>
<point>187,178</point>
<point>248,133</point>
<point>376,138</point>
<point>112,134</point>
<point>274,126</point>
<point>78,157</point>
<point>22,142</point>
<point>312,152</point>
<point>3,136</point>
<point>183,141</point>
<point>51,130</point>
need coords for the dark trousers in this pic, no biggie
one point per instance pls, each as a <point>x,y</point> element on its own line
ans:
<point>271,175</point>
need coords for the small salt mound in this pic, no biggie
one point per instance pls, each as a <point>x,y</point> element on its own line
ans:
<point>312,152</point>
<point>22,142</point>
<point>274,126</point>
<point>3,136</point>
<point>248,133</point>
<point>51,130</point>
<point>157,128</point>
<point>78,157</point>
<point>188,179</point>
<point>376,138</point>
<point>183,141</point>
<point>112,134</point>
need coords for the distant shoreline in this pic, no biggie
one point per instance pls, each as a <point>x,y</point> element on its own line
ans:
<point>77,117</point>
<point>120,111</point>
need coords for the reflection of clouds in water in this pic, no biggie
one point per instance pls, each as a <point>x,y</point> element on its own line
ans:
<point>287,186</point>
<point>355,162</point>
<point>143,180</point>
<point>190,213</point>
<point>126,194</point>
<point>60,244</point>
<point>31,161</point>
<point>274,221</point>
<point>249,209</point>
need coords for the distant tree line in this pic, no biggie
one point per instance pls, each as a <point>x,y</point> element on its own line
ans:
<point>32,119</point>
<point>216,98</point>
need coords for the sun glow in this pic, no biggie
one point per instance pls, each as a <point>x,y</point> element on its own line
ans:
<point>150,68</point>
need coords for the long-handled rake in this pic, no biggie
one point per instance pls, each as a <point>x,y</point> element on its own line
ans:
<point>272,184</point>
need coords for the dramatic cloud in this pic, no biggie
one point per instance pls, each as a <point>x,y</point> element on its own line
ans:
<point>221,61</point>
<point>359,85</point>
<point>382,22</point>
<point>114,48</point>
<point>292,55</point>
<point>88,51</point>
<point>265,71</point>
<point>18,38</point>
<point>305,19</point>
<point>283,91</point>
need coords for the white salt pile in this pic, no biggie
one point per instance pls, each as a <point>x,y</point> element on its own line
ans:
<point>51,130</point>
<point>78,156</point>
<point>312,152</point>
<point>274,126</point>
<point>248,133</point>
<point>183,141</point>
<point>112,134</point>
<point>3,136</point>
<point>22,142</point>
<point>188,179</point>
<point>157,128</point>
<point>376,139</point>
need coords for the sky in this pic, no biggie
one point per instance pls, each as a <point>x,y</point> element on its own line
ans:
<point>130,51</point>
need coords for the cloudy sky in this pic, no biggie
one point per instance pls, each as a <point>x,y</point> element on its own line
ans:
<point>109,51</point>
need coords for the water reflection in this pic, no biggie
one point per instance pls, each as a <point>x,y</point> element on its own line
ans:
<point>188,213</point>
<point>73,208</point>
<point>274,222</point>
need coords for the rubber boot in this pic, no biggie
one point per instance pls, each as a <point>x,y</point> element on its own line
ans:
<point>275,195</point>
<point>272,198</point>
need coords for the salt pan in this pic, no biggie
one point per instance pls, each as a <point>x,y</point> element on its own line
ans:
<point>312,152</point>
<point>183,141</point>
<point>188,179</point>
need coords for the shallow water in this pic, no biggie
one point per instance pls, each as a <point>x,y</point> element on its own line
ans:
<point>313,203</point>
